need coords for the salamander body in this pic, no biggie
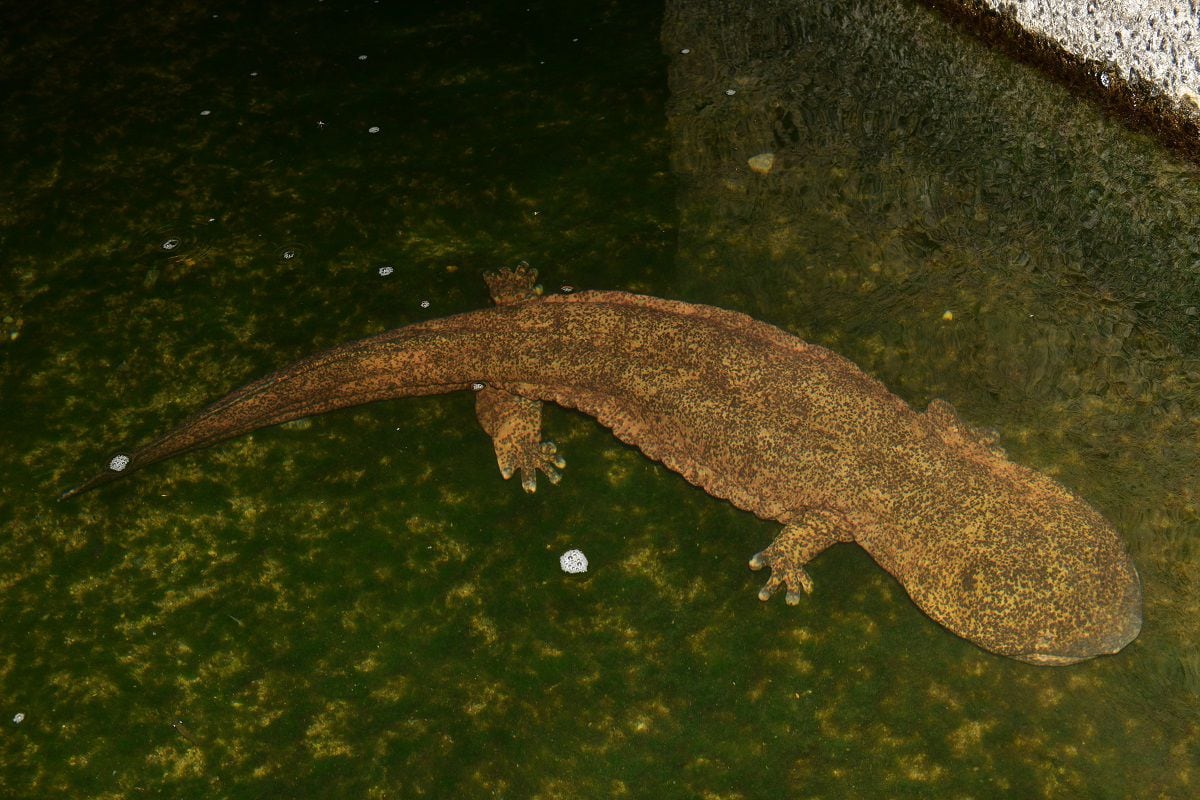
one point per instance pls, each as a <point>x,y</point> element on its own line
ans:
<point>995,552</point>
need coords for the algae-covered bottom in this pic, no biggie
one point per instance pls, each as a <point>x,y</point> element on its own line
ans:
<point>357,604</point>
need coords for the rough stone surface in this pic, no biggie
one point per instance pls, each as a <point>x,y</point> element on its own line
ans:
<point>1157,41</point>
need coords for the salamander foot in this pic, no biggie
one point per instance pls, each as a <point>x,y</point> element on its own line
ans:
<point>800,541</point>
<point>508,286</point>
<point>530,458</point>
<point>784,572</point>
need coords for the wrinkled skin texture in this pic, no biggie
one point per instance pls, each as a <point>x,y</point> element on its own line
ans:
<point>995,552</point>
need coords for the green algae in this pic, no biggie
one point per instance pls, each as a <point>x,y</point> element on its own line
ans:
<point>359,605</point>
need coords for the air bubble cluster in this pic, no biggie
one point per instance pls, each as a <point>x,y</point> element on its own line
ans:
<point>573,562</point>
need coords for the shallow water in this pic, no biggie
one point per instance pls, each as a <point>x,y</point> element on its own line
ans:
<point>357,605</point>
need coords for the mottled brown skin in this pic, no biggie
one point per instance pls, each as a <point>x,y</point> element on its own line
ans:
<point>995,552</point>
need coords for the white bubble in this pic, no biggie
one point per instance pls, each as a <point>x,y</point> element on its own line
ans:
<point>573,562</point>
<point>686,50</point>
<point>18,717</point>
<point>205,113</point>
<point>118,463</point>
<point>385,271</point>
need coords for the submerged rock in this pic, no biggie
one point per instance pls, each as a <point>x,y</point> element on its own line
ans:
<point>762,163</point>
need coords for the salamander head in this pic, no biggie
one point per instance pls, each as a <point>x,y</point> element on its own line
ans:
<point>1111,628</point>
<point>1036,574</point>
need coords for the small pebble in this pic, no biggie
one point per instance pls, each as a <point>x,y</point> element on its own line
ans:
<point>762,163</point>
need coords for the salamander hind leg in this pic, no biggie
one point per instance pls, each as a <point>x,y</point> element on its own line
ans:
<point>515,425</point>
<point>508,286</point>
<point>800,541</point>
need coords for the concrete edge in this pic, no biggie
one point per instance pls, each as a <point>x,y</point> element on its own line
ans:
<point>1141,105</point>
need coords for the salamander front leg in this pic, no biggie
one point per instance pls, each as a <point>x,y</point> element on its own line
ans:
<point>800,541</point>
<point>515,425</point>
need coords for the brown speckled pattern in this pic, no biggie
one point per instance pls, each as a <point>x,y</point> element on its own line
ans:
<point>997,553</point>
<point>515,422</point>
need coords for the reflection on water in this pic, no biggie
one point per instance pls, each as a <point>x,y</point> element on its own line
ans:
<point>360,606</point>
